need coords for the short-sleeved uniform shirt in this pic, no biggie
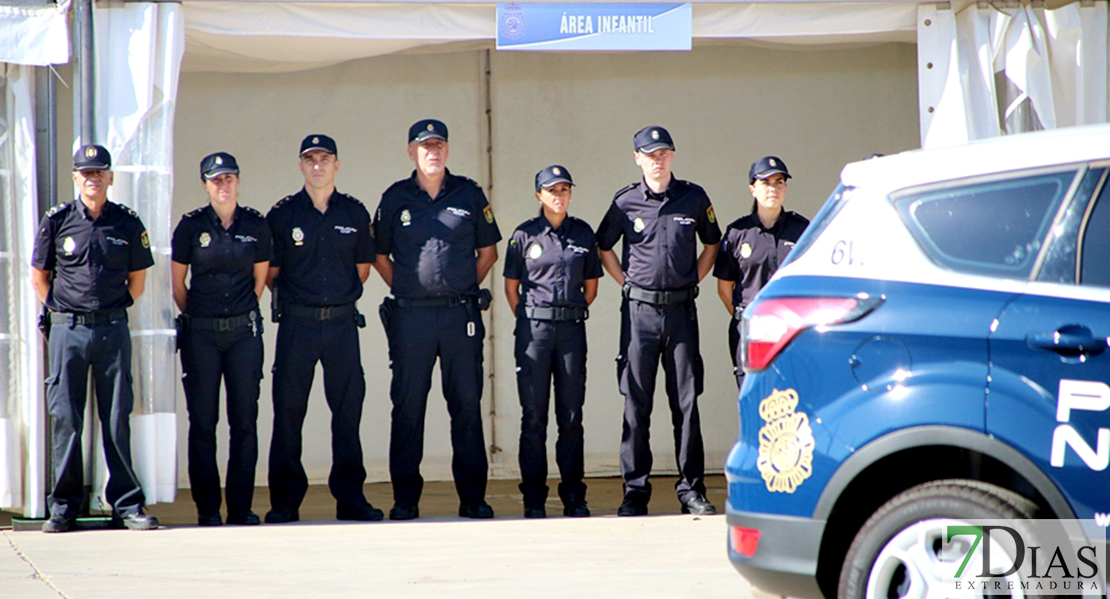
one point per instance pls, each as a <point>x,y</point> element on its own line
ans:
<point>91,259</point>
<point>317,252</point>
<point>552,264</point>
<point>433,241</point>
<point>660,250</point>
<point>751,253</point>
<point>221,260</point>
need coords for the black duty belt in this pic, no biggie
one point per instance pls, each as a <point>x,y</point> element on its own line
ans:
<point>221,324</point>
<point>661,298</point>
<point>87,318</point>
<point>447,301</point>
<point>321,313</point>
<point>557,313</point>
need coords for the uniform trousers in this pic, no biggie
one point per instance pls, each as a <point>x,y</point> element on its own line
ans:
<point>547,350</point>
<point>417,336</point>
<point>236,357</point>
<point>649,334</point>
<point>105,349</point>
<point>301,343</point>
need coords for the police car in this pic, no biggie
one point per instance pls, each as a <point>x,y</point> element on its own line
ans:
<point>935,347</point>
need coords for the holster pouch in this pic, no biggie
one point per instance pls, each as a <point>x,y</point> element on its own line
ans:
<point>385,312</point>
<point>485,299</point>
<point>44,322</point>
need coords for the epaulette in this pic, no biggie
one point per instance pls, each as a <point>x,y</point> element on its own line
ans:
<point>625,189</point>
<point>58,209</point>
<point>350,197</point>
<point>128,210</point>
<point>194,213</point>
<point>252,211</point>
<point>282,202</point>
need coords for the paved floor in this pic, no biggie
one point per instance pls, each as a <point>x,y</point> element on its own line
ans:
<point>665,555</point>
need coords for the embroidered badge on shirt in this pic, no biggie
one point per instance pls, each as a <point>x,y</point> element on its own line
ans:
<point>205,239</point>
<point>145,239</point>
<point>638,224</point>
<point>535,251</point>
<point>710,213</point>
<point>69,245</point>
<point>345,230</point>
<point>459,212</point>
<point>745,250</point>
<point>298,236</point>
<point>406,218</point>
<point>488,211</point>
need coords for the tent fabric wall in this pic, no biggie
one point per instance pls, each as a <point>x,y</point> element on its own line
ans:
<point>22,417</point>
<point>289,36</point>
<point>34,35</point>
<point>139,47</point>
<point>987,71</point>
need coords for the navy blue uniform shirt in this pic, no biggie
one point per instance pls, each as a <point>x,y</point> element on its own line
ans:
<point>221,260</point>
<point>91,259</point>
<point>551,264</point>
<point>317,252</point>
<point>433,241</point>
<point>751,253</point>
<point>660,249</point>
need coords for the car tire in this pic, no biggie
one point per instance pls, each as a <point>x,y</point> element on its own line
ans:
<point>898,547</point>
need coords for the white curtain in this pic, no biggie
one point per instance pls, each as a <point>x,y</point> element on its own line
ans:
<point>22,417</point>
<point>989,70</point>
<point>34,35</point>
<point>139,46</point>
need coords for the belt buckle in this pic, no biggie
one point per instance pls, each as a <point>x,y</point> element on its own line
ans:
<point>323,313</point>
<point>82,319</point>
<point>222,324</point>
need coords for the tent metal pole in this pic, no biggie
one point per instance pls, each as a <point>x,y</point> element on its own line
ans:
<point>86,75</point>
<point>46,137</point>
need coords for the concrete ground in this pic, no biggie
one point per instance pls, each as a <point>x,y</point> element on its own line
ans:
<point>664,555</point>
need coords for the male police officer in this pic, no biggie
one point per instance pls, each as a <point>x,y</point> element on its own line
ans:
<point>660,219</point>
<point>89,265</point>
<point>440,232</point>
<point>323,250</point>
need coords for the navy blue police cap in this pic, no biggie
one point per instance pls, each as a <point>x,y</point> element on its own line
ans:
<point>553,175</point>
<point>220,163</point>
<point>318,143</point>
<point>427,129</point>
<point>92,158</point>
<point>767,166</point>
<point>652,138</point>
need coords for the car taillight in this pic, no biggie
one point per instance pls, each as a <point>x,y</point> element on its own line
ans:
<point>770,324</point>
<point>745,541</point>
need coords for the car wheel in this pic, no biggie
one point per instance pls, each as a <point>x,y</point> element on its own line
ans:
<point>900,551</point>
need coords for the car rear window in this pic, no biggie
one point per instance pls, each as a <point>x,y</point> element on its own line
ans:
<point>994,228</point>
<point>824,216</point>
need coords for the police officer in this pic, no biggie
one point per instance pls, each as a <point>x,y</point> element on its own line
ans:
<point>323,250</point>
<point>755,245</point>
<point>551,273</point>
<point>220,335</point>
<point>89,264</point>
<point>435,243</point>
<point>660,218</point>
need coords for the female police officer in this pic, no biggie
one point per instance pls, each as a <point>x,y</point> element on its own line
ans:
<point>551,272</point>
<point>220,334</point>
<point>755,245</point>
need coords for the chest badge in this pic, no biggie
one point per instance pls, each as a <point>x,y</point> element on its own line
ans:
<point>298,236</point>
<point>69,245</point>
<point>745,250</point>
<point>406,218</point>
<point>785,443</point>
<point>535,251</point>
<point>638,225</point>
<point>205,239</point>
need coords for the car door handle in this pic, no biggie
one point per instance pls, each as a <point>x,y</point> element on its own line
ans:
<point>1069,340</point>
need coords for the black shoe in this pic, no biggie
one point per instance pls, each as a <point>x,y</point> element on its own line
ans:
<point>481,511</point>
<point>247,519</point>
<point>535,512</point>
<point>698,506</point>
<point>404,512</point>
<point>632,506</point>
<point>280,517</point>
<point>139,521</point>
<point>577,509</point>
<point>58,524</point>
<point>210,520</point>
<point>360,513</point>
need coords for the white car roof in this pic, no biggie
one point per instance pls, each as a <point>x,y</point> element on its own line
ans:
<point>1000,154</point>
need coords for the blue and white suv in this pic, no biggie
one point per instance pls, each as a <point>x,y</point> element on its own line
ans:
<point>935,346</point>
